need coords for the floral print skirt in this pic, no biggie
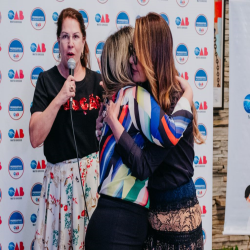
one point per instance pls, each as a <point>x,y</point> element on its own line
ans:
<point>62,219</point>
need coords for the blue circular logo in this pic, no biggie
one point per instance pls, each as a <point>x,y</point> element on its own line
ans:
<point>98,50</point>
<point>16,109</point>
<point>197,105</point>
<point>55,51</point>
<point>201,25</point>
<point>16,50</point>
<point>33,218</point>
<point>201,187</point>
<point>33,164</point>
<point>98,18</point>
<point>200,79</point>
<point>11,246</point>
<point>196,160</point>
<point>197,51</point>
<point>16,168</point>
<point>181,53</point>
<point>122,20</point>
<point>85,18</point>
<point>202,129</point>
<point>16,222</point>
<point>11,192</point>
<point>178,21</point>
<point>33,47</point>
<point>38,19</point>
<point>55,16</point>
<point>11,14</point>
<point>35,193</point>
<point>35,74</point>
<point>11,133</point>
<point>246,104</point>
<point>11,74</point>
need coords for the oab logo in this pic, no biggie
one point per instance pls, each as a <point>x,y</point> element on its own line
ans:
<point>16,222</point>
<point>38,19</point>
<point>16,50</point>
<point>33,218</point>
<point>165,17</point>
<point>16,108</point>
<point>201,25</point>
<point>38,49</point>
<point>16,194</point>
<point>38,166</point>
<point>200,186</point>
<point>16,76</point>
<point>102,1</point>
<point>122,20</point>
<point>204,236</point>
<point>184,75</point>
<point>55,16</point>
<point>85,18</point>
<point>13,246</point>
<point>32,247</point>
<point>98,49</point>
<point>143,2</point>
<point>182,22</point>
<point>35,193</point>
<point>200,161</point>
<point>35,74</point>
<point>55,51</point>
<point>17,135</point>
<point>201,107</point>
<point>102,20</point>
<point>16,168</point>
<point>181,53</point>
<point>15,17</point>
<point>200,79</point>
<point>201,53</point>
<point>203,130</point>
<point>246,104</point>
<point>182,3</point>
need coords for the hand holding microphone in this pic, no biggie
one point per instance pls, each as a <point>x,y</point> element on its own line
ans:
<point>71,65</point>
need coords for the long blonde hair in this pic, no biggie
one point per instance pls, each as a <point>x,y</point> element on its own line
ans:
<point>154,48</point>
<point>115,67</point>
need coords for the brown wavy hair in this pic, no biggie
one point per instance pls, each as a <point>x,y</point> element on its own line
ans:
<point>74,14</point>
<point>153,44</point>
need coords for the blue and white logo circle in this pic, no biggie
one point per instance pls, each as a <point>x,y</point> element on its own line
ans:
<point>201,24</point>
<point>11,192</point>
<point>143,2</point>
<point>33,47</point>
<point>165,17</point>
<point>122,20</point>
<point>201,187</point>
<point>200,79</point>
<point>11,246</point>
<point>204,236</point>
<point>33,164</point>
<point>85,18</point>
<point>178,21</point>
<point>246,104</point>
<point>16,50</point>
<point>196,160</point>
<point>197,105</point>
<point>11,74</point>
<point>11,133</point>
<point>16,222</point>
<point>98,50</point>
<point>197,51</point>
<point>182,3</point>
<point>38,19</point>
<point>98,18</point>
<point>16,168</point>
<point>11,14</point>
<point>181,53</point>
<point>16,109</point>
<point>34,75</point>
<point>202,129</point>
<point>55,51</point>
<point>55,16</point>
<point>35,193</point>
<point>33,218</point>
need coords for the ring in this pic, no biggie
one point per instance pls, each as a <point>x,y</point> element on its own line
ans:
<point>96,133</point>
<point>71,89</point>
<point>104,113</point>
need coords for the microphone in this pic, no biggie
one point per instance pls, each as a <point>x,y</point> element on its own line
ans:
<point>71,65</point>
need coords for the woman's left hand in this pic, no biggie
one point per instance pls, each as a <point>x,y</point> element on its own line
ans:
<point>112,110</point>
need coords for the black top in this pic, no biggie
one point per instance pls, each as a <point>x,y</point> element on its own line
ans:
<point>59,144</point>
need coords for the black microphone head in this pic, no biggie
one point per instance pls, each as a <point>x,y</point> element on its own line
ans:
<point>71,63</point>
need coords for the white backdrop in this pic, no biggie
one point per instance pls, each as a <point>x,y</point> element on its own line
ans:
<point>28,46</point>
<point>237,220</point>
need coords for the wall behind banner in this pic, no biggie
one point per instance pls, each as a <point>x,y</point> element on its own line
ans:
<point>28,46</point>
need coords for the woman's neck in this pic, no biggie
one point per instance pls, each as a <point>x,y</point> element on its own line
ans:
<point>79,71</point>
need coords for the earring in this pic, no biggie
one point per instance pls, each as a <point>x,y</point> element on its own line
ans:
<point>59,55</point>
<point>82,55</point>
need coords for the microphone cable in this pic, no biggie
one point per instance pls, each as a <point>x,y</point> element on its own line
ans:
<point>84,197</point>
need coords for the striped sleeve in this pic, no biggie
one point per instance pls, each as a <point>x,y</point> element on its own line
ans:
<point>151,120</point>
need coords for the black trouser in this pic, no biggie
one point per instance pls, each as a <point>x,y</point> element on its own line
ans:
<point>117,225</point>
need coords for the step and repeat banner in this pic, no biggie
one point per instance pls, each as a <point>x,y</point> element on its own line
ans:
<point>237,218</point>
<point>28,46</point>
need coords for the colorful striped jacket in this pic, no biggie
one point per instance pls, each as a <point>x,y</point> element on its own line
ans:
<point>143,119</point>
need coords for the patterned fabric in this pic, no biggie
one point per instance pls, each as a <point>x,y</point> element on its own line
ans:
<point>62,219</point>
<point>141,117</point>
<point>175,220</point>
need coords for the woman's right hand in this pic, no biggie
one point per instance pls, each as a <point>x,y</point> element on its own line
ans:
<point>68,90</point>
